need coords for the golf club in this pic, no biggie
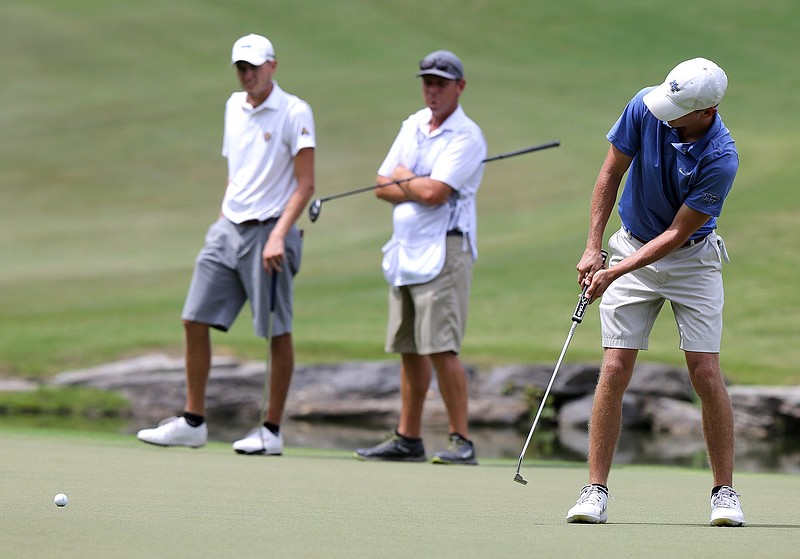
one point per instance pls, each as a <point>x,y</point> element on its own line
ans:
<point>273,291</point>
<point>316,206</point>
<point>577,318</point>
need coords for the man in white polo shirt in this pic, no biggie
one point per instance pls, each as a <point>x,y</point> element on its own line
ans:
<point>269,143</point>
<point>428,261</point>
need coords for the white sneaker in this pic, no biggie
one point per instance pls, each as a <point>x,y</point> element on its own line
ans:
<point>590,507</point>
<point>260,441</point>
<point>174,431</point>
<point>725,508</point>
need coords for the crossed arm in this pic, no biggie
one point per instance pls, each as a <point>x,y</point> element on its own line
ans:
<point>419,189</point>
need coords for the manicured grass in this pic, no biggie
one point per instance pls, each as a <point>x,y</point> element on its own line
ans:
<point>127,499</point>
<point>89,403</point>
<point>110,168</point>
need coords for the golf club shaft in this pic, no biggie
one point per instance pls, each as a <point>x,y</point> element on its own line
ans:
<point>368,188</point>
<point>273,291</point>
<point>539,147</point>
<point>546,145</point>
<point>577,318</point>
<point>546,394</point>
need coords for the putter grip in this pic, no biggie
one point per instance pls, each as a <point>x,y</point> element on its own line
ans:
<point>583,301</point>
<point>273,291</point>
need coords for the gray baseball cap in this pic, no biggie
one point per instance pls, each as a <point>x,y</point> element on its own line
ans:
<point>441,63</point>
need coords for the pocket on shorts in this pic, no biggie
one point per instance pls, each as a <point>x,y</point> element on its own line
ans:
<point>710,254</point>
<point>222,243</point>
<point>294,249</point>
<point>616,247</point>
<point>723,251</point>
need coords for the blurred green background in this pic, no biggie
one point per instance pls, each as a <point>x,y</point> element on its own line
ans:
<point>110,166</point>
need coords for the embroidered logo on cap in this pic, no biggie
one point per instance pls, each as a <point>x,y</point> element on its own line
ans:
<point>673,86</point>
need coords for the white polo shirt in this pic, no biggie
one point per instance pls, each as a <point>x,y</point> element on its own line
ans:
<point>260,144</point>
<point>452,154</point>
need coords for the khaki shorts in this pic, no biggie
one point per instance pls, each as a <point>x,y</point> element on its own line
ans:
<point>689,278</point>
<point>431,317</point>
<point>229,271</point>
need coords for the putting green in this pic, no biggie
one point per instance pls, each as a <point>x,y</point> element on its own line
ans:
<point>127,499</point>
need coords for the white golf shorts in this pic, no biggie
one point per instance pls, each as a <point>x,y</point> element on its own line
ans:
<point>690,278</point>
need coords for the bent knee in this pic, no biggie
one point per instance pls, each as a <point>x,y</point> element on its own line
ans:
<point>616,370</point>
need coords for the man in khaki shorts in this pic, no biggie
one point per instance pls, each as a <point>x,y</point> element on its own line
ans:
<point>428,261</point>
<point>681,163</point>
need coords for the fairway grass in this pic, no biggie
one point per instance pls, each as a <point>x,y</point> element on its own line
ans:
<point>110,166</point>
<point>127,499</point>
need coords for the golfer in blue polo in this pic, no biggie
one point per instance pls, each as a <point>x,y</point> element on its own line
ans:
<point>681,163</point>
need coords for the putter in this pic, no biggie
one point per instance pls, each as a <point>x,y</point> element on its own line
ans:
<point>273,290</point>
<point>316,206</point>
<point>577,318</point>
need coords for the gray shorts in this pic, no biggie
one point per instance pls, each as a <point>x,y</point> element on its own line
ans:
<point>431,317</point>
<point>689,278</point>
<point>229,271</point>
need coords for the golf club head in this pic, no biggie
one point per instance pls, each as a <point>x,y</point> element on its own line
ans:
<point>314,209</point>
<point>519,479</point>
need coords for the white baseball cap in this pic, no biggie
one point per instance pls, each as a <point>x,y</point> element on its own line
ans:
<point>692,85</point>
<point>254,49</point>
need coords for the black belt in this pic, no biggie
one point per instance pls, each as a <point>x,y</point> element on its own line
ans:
<point>689,243</point>
<point>455,233</point>
<point>269,221</point>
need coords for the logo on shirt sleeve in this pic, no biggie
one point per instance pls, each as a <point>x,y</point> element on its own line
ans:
<point>710,199</point>
<point>305,132</point>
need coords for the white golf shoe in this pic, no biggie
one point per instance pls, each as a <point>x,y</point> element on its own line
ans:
<point>590,507</point>
<point>725,508</point>
<point>174,431</point>
<point>260,441</point>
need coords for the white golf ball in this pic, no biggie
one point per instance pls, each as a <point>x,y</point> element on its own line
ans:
<point>60,500</point>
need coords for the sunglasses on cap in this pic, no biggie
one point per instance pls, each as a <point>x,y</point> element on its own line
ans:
<point>444,66</point>
<point>441,65</point>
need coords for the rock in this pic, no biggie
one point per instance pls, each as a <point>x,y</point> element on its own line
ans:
<point>661,380</point>
<point>677,417</point>
<point>18,385</point>
<point>576,413</point>
<point>368,394</point>
<point>572,380</point>
<point>762,411</point>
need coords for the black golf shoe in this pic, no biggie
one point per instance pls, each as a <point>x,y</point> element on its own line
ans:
<point>459,451</point>
<point>396,449</point>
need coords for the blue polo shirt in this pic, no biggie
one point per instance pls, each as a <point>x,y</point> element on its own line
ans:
<point>666,173</point>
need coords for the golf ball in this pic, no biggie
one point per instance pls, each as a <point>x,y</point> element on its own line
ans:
<point>60,500</point>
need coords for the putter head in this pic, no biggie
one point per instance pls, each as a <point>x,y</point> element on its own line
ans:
<point>314,209</point>
<point>519,479</point>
